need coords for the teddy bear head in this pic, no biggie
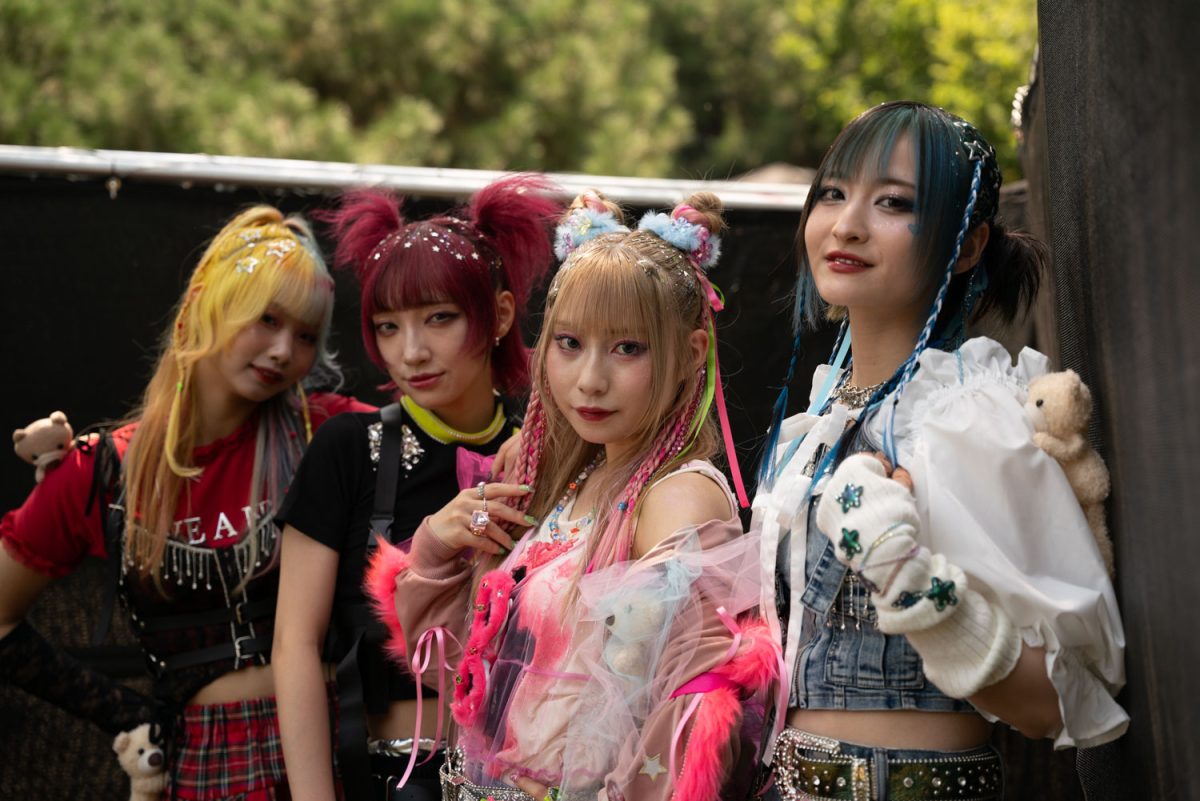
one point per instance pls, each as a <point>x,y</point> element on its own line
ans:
<point>1059,403</point>
<point>44,442</point>
<point>634,625</point>
<point>137,753</point>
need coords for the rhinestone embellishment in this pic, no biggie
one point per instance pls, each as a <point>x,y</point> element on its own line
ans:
<point>850,498</point>
<point>410,447</point>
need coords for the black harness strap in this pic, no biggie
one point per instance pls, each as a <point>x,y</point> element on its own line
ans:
<point>353,760</point>
<point>106,485</point>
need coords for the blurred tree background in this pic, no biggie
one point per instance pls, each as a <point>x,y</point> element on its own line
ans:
<point>669,88</point>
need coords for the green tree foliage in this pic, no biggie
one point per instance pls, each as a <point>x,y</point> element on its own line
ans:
<point>687,88</point>
<point>776,82</point>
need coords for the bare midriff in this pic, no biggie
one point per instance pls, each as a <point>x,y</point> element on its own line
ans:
<point>900,728</point>
<point>257,681</point>
<point>401,719</point>
<point>254,681</point>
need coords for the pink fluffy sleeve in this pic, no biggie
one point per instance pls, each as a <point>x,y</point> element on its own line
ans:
<point>418,590</point>
<point>710,761</point>
<point>706,744</point>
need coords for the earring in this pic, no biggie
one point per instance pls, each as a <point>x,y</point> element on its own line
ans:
<point>497,342</point>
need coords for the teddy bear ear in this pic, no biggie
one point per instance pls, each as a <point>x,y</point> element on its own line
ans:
<point>18,435</point>
<point>122,742</point>
<point>58,417</point>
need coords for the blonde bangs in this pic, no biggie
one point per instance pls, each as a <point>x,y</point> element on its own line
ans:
<point>605,294</point>
<point>257,276</point>
<point>604,291</point>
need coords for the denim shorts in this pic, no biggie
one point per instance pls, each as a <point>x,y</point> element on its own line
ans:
<point>807,766</point>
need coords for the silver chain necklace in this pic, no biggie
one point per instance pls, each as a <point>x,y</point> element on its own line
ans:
<point>855,397</point>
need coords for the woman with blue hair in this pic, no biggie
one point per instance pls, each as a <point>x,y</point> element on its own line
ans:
<point>927,567</point>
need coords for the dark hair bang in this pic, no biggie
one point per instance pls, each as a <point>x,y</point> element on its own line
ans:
<point>868,143</point>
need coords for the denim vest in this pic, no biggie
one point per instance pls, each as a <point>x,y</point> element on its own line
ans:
<point>845,661</point>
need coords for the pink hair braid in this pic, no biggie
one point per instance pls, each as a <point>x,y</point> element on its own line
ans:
<point>618,534</point>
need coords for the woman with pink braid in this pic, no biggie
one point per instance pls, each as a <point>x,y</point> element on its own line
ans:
<point>610,651</point>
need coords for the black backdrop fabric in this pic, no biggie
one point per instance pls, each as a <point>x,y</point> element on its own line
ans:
<point>90,284</point>
<point>1114,171</point>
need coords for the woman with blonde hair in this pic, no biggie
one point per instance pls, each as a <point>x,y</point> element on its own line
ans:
<point>180,498</point>
<point>609,650</point>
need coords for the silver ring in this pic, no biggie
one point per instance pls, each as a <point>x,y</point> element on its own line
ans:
<point>480,491</point>
<point>479,520</point>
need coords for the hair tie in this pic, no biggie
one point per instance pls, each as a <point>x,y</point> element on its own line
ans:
<point>701,245</point>
<point>580,225</point>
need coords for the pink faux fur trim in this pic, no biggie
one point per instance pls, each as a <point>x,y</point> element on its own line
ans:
<point>379,584</point>
<point>756,664</point>
<point>491,612</point>
<point>716,719</point>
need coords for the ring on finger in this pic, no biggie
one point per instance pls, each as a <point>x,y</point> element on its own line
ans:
<point>480,492</point>
<point>479,520</point>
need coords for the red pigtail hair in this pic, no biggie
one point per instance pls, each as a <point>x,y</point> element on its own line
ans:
<point>363,219</point>
<point>517,214</point>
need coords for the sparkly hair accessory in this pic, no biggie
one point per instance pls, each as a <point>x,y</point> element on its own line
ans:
<point>978,149</point>
<point>582,224</point>
<point>701,245</point>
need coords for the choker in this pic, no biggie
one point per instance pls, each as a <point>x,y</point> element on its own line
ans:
<point>432,425</point>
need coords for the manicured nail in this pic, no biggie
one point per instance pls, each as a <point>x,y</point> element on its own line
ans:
<point>531,520</point>
<point>527,488</point>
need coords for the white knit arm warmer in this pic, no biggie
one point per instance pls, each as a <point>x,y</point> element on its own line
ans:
<point>966,641</point>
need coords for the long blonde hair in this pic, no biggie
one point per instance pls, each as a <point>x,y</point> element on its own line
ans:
<point>258,259</point>
<point>635,281</point>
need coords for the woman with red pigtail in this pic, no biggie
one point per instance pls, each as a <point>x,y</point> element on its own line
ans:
<point>608,651</point>
<point>442,304</point>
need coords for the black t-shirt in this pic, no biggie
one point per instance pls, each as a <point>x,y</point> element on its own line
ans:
<point>332,497</point>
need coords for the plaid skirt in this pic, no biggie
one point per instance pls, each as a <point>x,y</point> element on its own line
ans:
<point>228,751</point>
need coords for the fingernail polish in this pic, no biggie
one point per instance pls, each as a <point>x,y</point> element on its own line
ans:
<point>531,520</point>
<point>527,487</point>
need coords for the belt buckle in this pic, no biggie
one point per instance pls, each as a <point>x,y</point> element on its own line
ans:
<point>237,649</point>
<point>801,777</point>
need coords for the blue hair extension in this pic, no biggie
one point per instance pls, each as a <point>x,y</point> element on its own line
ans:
<point>767,468</point>
<point>910,364</point>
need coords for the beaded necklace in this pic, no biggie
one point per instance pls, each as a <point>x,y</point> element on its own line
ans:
<point>556,533</point>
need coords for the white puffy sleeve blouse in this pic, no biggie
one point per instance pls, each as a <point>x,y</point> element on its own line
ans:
<point>1001,509</point>
<point>996,505</point>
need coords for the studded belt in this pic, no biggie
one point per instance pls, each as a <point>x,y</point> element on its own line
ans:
<point>814,768</point>
<point>456,786</point>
